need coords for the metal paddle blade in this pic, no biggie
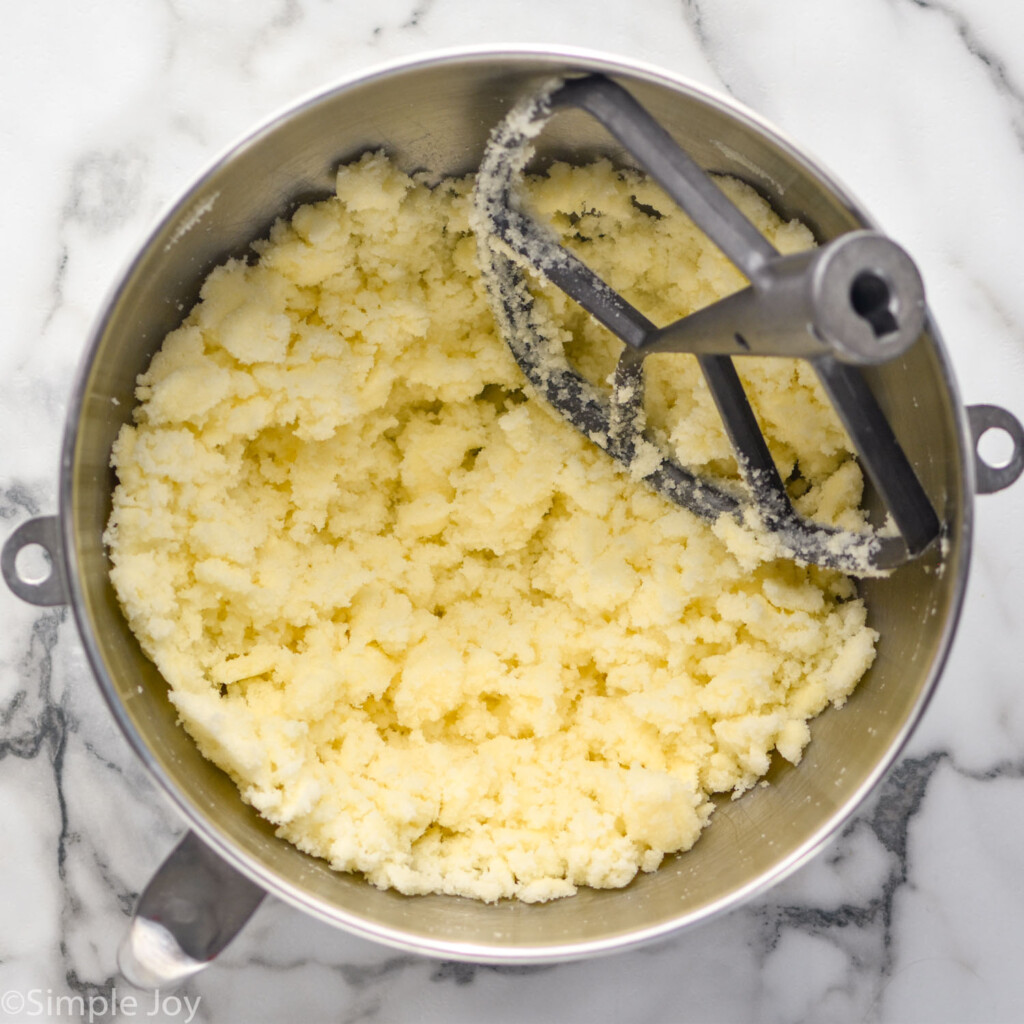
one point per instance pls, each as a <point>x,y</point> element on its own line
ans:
<point>854,301</point>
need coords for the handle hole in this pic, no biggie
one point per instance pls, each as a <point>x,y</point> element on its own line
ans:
<point>33,564</point>
<point>996,447</point>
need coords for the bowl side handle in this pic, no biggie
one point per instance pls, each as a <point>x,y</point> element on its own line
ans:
<point>982,419</point>
<point>49,587</point>
<point>192,908</point>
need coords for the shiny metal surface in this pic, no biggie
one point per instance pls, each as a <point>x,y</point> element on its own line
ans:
<point>982,419</point>
<point>191,909</point>
<point>435,114</point>
<point>50,588</point>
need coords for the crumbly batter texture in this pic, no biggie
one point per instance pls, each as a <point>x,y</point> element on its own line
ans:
<point>434,634</point>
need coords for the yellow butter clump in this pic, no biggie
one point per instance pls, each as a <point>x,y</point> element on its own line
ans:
<point>434,634</point>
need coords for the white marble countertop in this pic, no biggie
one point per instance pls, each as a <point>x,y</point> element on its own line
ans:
<point>913,913</point>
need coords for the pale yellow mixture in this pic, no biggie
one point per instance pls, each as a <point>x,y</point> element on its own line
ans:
<point>434,634</point>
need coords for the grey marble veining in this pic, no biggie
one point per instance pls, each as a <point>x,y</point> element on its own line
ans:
<point>910,914</point>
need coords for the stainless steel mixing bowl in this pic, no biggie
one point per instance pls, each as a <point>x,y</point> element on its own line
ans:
<point>435,113</point>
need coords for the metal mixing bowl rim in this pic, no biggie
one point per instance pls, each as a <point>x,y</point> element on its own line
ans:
<point>203,825</point>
